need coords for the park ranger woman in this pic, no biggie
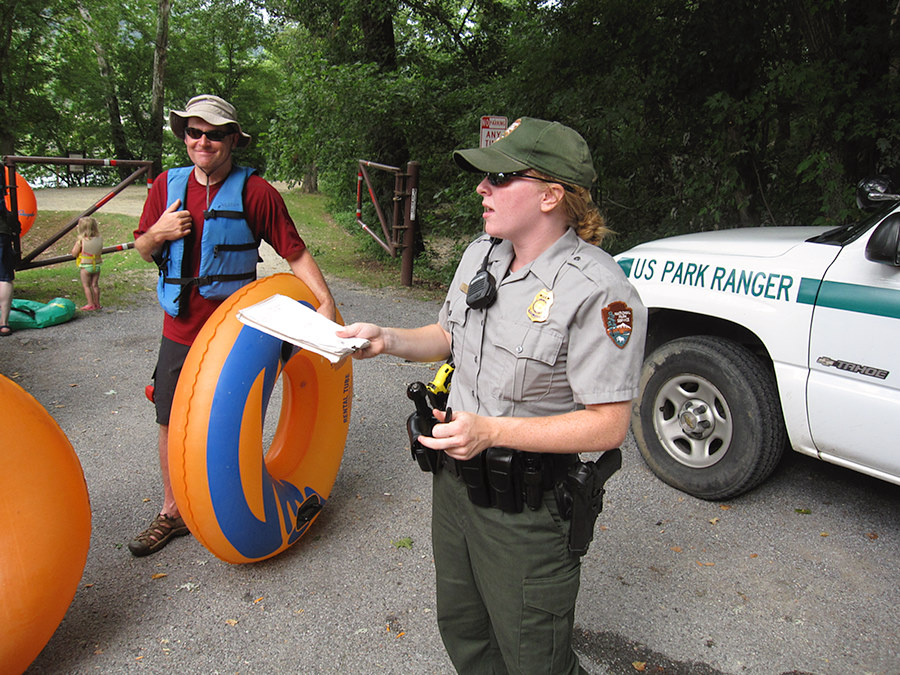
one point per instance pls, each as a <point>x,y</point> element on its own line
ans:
<point>547,336</point>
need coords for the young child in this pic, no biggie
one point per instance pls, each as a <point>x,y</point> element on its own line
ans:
<point>87,249</point>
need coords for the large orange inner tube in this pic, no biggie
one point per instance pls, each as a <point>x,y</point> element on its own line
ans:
<point>242,503</point>
<point>26,203</point>
<point>46,531</point>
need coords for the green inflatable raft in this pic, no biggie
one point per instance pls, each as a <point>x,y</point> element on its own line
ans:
<point>33,314</point>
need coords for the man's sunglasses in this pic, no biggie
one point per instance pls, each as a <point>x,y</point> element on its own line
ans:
<point>215,135</point>
<point>500,179</point>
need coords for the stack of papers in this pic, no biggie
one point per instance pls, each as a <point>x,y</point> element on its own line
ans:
<point>297,323</point>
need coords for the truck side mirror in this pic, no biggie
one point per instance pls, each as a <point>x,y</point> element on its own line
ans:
<point>871,193</point>
<point>884,243</point>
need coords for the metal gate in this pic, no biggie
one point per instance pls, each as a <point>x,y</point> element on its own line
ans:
<point>400,235</point>
<point>8,182</point>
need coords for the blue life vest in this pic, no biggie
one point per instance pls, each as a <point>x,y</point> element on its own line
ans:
<point>228,247</point>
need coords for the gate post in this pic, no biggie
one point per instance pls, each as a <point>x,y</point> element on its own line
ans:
<point>410,223</point>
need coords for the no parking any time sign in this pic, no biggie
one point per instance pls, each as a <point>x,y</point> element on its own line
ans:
<point>492,127</point>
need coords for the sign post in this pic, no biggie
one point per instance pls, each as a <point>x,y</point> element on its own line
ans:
<point>492,127</point>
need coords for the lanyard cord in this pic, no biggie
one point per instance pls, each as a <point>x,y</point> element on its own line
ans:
<point>207,189</point>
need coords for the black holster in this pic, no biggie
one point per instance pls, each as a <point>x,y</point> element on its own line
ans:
<point>421,423</point>
<point>580,497</point>
<point>427,458</point>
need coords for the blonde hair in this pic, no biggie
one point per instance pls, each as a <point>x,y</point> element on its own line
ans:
<point>582,213</point>
<point>88,227</point>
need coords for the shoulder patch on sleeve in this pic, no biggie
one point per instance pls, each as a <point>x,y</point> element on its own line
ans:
<point>618,319</point>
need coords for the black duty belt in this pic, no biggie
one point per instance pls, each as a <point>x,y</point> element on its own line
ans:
<point>509,479</point>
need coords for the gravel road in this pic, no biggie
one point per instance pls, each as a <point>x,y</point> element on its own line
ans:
<point>799,576</point>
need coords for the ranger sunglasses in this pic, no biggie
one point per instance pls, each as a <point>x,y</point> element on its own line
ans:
<point>500,179</point>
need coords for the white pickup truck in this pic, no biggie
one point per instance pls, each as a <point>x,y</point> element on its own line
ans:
<point>767,336</point>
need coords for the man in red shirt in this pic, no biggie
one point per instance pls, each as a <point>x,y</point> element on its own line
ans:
<point>178,231</point>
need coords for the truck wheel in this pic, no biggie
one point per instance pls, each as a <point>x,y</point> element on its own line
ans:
<point>708,419</point>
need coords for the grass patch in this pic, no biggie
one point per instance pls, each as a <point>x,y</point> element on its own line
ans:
<point>341,249</point>
<point>336,249</point>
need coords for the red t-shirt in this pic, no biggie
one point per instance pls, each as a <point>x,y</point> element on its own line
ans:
<point>267,216</point>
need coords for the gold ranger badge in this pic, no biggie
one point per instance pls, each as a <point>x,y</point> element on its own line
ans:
<point>539,309</point>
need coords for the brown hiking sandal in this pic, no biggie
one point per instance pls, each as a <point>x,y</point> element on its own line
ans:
<point>155,537</point>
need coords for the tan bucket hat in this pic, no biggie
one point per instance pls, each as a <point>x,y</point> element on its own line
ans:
<point>210,108</point>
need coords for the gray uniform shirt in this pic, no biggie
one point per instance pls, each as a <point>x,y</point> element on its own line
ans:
<point>566,330</point>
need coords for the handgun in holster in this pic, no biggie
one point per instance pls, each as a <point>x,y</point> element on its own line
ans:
<point>421,423</point>
<point>580,497</point>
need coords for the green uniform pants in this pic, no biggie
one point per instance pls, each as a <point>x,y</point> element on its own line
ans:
<point>506,585</point>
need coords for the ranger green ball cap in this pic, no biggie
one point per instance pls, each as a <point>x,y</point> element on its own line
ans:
<point>530,143</point>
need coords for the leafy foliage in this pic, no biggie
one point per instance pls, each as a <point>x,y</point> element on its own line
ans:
<point>700,114</point>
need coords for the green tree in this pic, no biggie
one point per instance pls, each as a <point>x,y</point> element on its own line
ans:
<point>26,64</point>
<point>91,76</point>
<point>701,114</point>
<point>220,47</point>
<point>343,95</point>
<point>158,90</point>
<point>107,85</point>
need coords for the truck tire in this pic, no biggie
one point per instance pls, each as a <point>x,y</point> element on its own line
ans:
<point>708,419</point>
